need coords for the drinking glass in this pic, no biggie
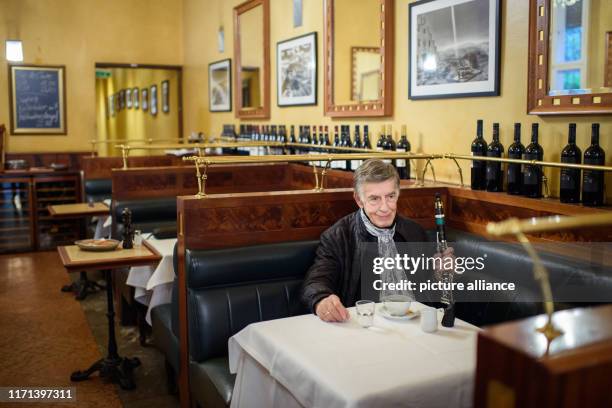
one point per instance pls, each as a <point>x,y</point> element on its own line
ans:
<point>365,312</point>
<point>137,238</point>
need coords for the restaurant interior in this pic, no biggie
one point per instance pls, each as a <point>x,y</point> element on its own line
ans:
<point>193,196</point>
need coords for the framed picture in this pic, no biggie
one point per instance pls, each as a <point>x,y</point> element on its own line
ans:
<point>122,99</point>
<point>454,48</point>
<point>135,98</point>
<point>153,103</point>
<point>37,99</point>
<point>144,99</point>
<point>128,98</point>
<point>220,86</point>
<point>296,71</point>
<point>165,88</point>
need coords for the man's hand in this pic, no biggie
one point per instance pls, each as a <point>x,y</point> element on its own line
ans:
<point>331,309</point>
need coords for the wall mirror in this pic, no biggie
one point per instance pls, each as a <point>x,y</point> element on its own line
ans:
<point>252,56</point>
<point>570,57</point>
<point>358,58</point>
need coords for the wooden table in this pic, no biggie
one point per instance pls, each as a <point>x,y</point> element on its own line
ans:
<point>113,367</point>
<point>78,210</point>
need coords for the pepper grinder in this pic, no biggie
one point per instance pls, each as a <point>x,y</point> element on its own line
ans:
<point>128,229</point>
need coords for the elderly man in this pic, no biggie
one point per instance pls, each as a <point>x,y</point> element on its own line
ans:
<point>334,280</point>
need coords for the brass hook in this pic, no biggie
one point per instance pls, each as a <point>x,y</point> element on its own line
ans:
<point>125,151</point>
<point>316,175</point>
<point>323,174</point>
<point>202,177</point>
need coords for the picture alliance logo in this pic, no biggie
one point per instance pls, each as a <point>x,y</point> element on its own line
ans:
<point>411,265</point>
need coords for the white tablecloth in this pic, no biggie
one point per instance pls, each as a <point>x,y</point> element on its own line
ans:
<point>302,361</point>
<point>153,285</point>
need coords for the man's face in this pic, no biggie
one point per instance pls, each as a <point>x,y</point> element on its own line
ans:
<point>379,201</point>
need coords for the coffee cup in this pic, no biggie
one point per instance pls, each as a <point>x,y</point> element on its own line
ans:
<point>397,305</point>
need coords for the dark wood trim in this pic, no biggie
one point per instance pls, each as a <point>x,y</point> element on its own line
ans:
<point>538,100</point>
<point>95,168</point>
<point>262,112</point>
<point>2,146</point>
<point>382,107</point>
<point>608,64</point>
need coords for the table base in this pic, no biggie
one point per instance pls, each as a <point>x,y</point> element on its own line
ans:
<point>116,370</point>
<point>83,287</point>
<point>113,368</point>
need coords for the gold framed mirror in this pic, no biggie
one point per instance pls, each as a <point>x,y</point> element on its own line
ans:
<point>358,58</point>
<point>567,57</point>
<point>252,59</point>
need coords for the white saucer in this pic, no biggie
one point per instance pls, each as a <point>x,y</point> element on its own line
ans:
<point>411,314</point>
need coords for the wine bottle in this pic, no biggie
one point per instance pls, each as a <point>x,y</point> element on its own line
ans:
<point>326,143</point>
<point>495,174</point>
<point>532,174</point>
<point>569,181</point>
<point>514,174</point>
<point>356,144</point>
<point>366,138</point>
<point>448,320</point>
<point>593,180</point>
<point>292,139</point>
<point>390,144</point>
<point>336,163</point>
<point>346,142</point>
<point>479,148</point>
<point>403,146</point>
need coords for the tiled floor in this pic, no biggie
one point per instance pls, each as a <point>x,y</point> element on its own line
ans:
<point>46,334</point>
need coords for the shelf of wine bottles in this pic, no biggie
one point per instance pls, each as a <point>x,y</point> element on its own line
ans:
<point>575,185</point>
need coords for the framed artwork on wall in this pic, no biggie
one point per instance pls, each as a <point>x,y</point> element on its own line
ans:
<point>37,100</point>
<point>111,105</point>
<point>128,98</point>
<point>135,98</point>
<point>220,86</point>
<point>165,89</point>
<point>296,71</point>
<point>144,99</point>
<point>454,48</point>
<point>153,102</point>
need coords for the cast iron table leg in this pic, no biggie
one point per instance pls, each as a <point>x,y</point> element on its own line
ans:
<point>113,367</point>
<point>82,287</point>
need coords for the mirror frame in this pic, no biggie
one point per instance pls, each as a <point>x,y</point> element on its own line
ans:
<point>262,112</point>
<point>538,100</point>
<point>381,107</point>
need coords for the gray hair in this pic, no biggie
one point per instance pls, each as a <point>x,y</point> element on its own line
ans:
<point>374,171</point>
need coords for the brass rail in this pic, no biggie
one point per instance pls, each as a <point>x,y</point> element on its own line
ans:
<point>519,228</point>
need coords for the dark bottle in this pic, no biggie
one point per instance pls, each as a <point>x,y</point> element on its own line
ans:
<point>495,173</point>
<point>479,169</point>
<point>569,181</point>
<point>403,165</point>
<point>593,180</point>
<point>292,140</point>
<point>356,144</point>
<point>532,174</point>
<point>514,175</point>
<point>366,138</point>
<point>326,142</point>
<point>389,144</point>
<point>336,163</point>
<point>345,141</point>
<point>380,144</point>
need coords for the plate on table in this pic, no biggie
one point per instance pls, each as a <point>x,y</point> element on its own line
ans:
<point>98,245</point>
<point>410,314</point>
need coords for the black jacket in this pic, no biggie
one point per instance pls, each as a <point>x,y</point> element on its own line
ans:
<point>337,266</point>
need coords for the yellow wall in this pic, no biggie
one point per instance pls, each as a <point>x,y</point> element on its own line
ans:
<point>77,34</point>
<point>434,126</point>
<point>131,123</point>
<point>600,22</point>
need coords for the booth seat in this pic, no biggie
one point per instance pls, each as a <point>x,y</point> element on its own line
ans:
<point>231,288</point>
<point>97,190</point>
<point>148,215</point>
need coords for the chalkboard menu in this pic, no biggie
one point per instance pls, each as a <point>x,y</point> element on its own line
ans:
<point>37,100</point>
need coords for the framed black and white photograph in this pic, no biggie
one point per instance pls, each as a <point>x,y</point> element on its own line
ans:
<point>153,102</point>
<point>128,98</point>
<point>296,71</point>
<point>165,90</point>
<point>111,105</point>
<point>144,99</point>
<point>454,48</point>
<point>220,86</point>
<point>135,98</point>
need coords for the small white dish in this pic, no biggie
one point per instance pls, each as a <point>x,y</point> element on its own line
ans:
<point>411,314</point>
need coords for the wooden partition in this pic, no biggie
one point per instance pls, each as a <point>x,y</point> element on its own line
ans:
<point>95,168</point>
